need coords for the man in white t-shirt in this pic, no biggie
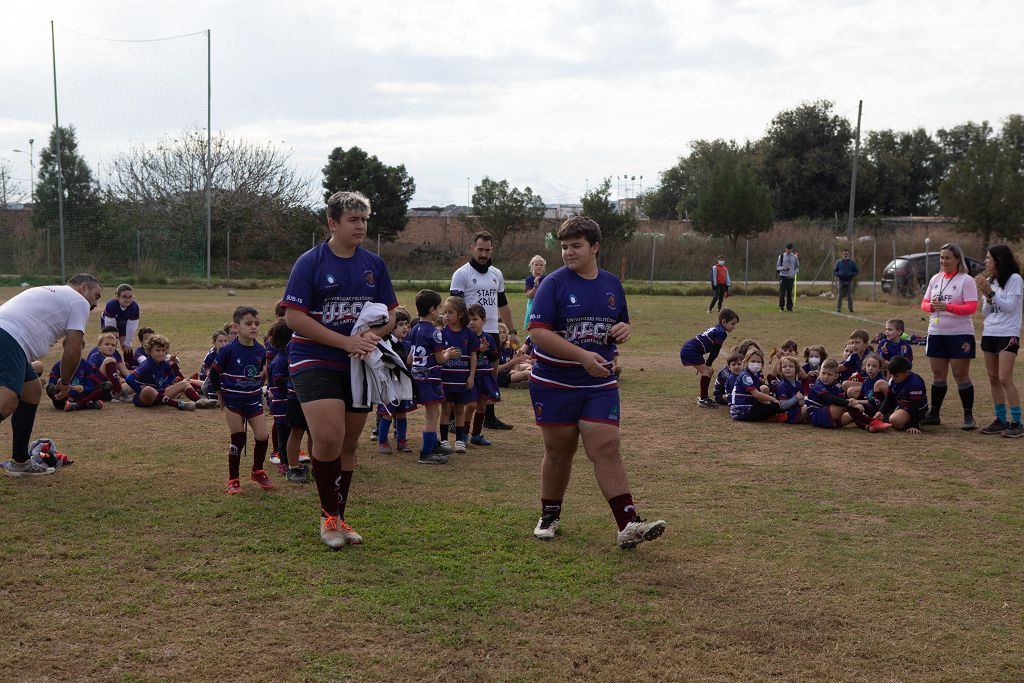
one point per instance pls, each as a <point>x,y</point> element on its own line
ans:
<point>30,323</point>
<point>479,282</point>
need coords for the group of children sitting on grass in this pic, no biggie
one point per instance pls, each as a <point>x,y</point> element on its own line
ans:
<point>874,389</point>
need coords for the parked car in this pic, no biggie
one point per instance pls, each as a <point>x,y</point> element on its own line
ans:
<point>906,274</point>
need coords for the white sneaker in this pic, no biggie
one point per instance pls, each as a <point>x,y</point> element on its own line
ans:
<point>638,531</point>
<point>547,527</point>
<point>460,446</point>
<point>331,532</point>
<point>25,469</point>
<point>352,536</point>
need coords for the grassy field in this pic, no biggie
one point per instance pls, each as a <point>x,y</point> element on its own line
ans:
<point>792,553</point>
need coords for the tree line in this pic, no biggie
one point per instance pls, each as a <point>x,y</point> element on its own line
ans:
<point>800,168</point>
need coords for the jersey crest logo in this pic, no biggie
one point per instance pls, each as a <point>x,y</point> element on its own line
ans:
<point>611,300</point>
<point>370,280</point>
<point>572,299</point>
<point>748,380</point>
<point>330,279</point>
<point>437,336</point>
<point>474,281</point>
<point>538,409</point>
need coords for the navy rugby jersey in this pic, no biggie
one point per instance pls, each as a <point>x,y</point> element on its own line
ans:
<point>85,376</point>
<point>724,383</point>
<point>425,340</point>
<point>911,394</point>
<point>816,398</point>
<point>583,312</point>
<point>239,368</point>
<point>891,349</point>
<point>150,373</point>
<point>96,358</point>
<point>455,371</point>
<point>742,400</point>
<point>332,290</point>
<point>121,315</point>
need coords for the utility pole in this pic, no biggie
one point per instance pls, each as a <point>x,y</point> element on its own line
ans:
<point>853,180</point>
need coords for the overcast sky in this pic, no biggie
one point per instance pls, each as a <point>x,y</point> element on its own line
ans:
<point>544,94</point>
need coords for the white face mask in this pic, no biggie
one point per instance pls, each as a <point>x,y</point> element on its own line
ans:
<point>721,263</point>
<point>754,367</point>
<point>814,361</point>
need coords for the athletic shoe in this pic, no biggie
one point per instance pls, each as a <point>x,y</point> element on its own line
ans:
<point>71,406</point>
<point>29,468</point>
<point>373,433</point>
<point>330,532</point>
<point>352,537</point>
<point>95,405</point>
<point>495,423</point>
<point>275,458</point>
<point>995,427</point>
<point>296,475</point>
<point>261,478</point>
<point>234,487</point>
<point>1013,431</point>
<point>706,403</point>
<point>403,446</point>
<point>931,419</point>
<point>969,423</point>
<point>384,448</point>
<point>878,426</point>
<point>205,403</point>
<point>547,527</point>
<point>443,448</point>
<point>186,405</point>
<point>460,447</point>
<point>779,417</point>
<point>479,440</point>
<point>51,390</point>
<point>302,456</point>
<point>433,459</point>
<point>638,531</point>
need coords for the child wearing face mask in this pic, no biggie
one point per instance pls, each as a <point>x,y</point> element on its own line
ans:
<point>751,399</point>
<point>814,356</point>
<point>720,283</point>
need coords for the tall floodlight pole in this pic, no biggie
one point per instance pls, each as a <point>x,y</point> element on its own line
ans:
<point>60,167</point>
<point>853,180</point>
<point>31,168</point>
<point>209,154</point>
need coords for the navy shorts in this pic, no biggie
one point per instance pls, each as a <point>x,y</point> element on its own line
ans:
<point>822,417</point>
<point>400,407</point>
<point>950,346</point>
<point>999,344</point>
<point>568,407</point>
<point>487,386</point>
<point>459,397</point>
<point>15,369</point>
<point>246,410</point>
<point>430,391</point>
<point>692,353</point>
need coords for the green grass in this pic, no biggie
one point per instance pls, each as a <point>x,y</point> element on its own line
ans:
<point>791,553</point>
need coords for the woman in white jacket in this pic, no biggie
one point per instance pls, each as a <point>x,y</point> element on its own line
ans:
<point>1002,288</point>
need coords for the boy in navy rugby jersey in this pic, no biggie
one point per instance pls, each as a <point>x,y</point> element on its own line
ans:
<point>906,398</point>
<point>708,344</point>
<point>893,344</point>
<point>277,372</point>
<point>426,356</point>
<point>155,381</point>
<point>87,388</point>
<point>857,347</point>
<point>726,379</point>
<point>237,377</point>
<point>579,316</point>
<point>109,365</point>
<point>829,409</point>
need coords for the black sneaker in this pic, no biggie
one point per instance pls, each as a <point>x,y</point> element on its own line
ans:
<point>931,419</point>
<point>969,423</point>
<point>442,448</point>
<point>996,427</point>
<point>495,423</point>
<point>1013,431</point>
<point>432,459</point>
<point>706,403</point>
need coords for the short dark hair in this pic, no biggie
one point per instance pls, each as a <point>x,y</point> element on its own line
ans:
<point>897,323</point>
<point>143,331</point>
<point>580,226</point>
<point>83,279</point>
<point>402,315</point>
<point>727,314</point>
<point>482,235</point>
<point>860,334</point>
<point>279,334</point>
<point>279,309</point>
<point>108,328</point>
<point>243,311</point>
<point>789,245</point>
<point>734,357</point>
<point>425,300</point>
<point>899,364</point>
<point>478,311</point>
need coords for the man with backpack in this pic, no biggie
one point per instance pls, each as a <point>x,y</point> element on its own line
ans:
<point>787,266</point>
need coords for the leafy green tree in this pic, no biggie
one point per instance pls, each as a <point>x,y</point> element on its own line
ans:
<point>735,203</point>
<point>616,227</point>
<point>985,189</point>
<point>389,188</point>
<point>805,161</point>
<point>81,199</point>
<point>675,196</point>
<point>957,141</point>
<point>503,210</point>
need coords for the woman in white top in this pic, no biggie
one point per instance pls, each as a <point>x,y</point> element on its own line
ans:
<point>951,299</point>
<point>1001,287</point>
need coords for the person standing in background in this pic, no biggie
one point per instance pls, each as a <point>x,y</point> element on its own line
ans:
<point>720,283</point>
<point>787,266</point>
<point>846,269</point>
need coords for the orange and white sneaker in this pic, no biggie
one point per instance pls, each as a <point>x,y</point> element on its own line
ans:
<point>261,478</point>
<point>234,487</point>
<point>352,536</point>
<point>331,532</point>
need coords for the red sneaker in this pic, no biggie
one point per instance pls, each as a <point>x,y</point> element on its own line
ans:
<point>780,417</point>
<point>234,487</point>
<point>261,478</point>
<point>878,426</point>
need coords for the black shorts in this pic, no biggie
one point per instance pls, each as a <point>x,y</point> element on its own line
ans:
<point>999,344</point>
<point>296,418</point>
<point>950,346</point>
<point>317,384</point>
